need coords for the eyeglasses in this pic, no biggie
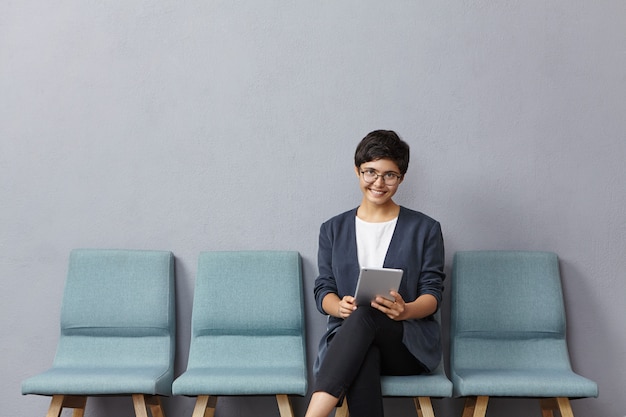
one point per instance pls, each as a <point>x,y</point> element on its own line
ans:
<point>370,176</point>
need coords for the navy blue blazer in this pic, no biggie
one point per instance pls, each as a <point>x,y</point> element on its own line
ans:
<point>416,247</point>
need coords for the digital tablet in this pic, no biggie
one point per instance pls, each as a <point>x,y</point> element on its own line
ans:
<point>376,281</point>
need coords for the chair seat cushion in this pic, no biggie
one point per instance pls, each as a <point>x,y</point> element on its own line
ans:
<point>522,383</point>
<point>428,385</point>
<point>241,381</point>
<point>100,381</point>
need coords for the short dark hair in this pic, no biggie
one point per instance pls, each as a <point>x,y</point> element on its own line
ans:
<point>383,144</point>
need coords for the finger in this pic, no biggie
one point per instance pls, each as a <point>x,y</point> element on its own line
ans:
<point>379,306</point>
<point>396,296</point>
<point>389,312</point>
<point>383,301</point>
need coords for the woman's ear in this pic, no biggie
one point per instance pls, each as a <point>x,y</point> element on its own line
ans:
<point>358,171</point>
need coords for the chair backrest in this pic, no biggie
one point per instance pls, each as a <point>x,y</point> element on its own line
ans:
<point>118,309</point>
<point>507,310</point>
<point>248,310</point>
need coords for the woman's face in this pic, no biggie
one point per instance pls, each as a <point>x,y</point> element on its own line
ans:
<point>378,192</point>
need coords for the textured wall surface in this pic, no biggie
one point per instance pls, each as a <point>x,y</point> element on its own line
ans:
<point>205,125</point>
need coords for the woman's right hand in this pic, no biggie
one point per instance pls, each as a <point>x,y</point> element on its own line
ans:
<point>346,306</point>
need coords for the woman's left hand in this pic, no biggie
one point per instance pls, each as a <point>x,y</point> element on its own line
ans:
<point>393,309</point>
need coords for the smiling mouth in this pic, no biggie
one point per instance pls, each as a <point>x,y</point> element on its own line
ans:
<point>378,193</point>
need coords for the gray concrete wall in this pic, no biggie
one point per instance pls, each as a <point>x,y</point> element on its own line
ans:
<point>206,125</point>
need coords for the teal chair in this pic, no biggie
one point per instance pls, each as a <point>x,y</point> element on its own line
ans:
<point>247,330</point>
<point>508,332</point>
<point>421,388</point>
<point>117,332</point>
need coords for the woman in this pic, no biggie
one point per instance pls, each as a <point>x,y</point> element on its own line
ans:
<point>398,337</point>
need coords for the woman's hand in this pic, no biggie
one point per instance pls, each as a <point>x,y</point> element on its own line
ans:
<point>346,306</point>
<point>393,309</point>
<point>338,307</point>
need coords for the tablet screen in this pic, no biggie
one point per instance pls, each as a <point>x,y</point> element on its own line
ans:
<point>377,281</point>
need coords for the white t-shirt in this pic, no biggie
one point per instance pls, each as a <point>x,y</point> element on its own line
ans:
<point>372,242</point>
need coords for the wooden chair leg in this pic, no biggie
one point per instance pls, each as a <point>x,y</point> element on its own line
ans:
<point>59,402</point>
<point>284,405</point>
<point>475,406</point>
<point>205,406</point>
<point>79,412</point>
<point>424,407</point>
<point>154,402</point>
<point>56,405</point>
<point>141,408</point>
<point>548,406</point>
<point>343,410</point>
<point>565,407</point>
<point>561,405</point>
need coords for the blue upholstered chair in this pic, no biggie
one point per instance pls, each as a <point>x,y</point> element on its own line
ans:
<point>247,330</point>
<point>508,332</point>
<point>117,332</point>
<point>419,387</point>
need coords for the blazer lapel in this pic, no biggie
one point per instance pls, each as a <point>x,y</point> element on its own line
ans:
<point>395,250</point>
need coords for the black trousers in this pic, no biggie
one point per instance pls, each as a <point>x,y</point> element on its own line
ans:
<point>367,345</point>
